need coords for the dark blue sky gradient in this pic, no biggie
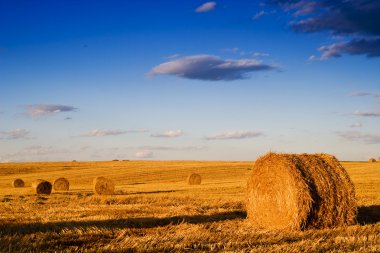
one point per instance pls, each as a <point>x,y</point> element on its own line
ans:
<point>98,57</point>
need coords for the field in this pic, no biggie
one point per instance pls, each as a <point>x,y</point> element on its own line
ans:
<point>154,210</point>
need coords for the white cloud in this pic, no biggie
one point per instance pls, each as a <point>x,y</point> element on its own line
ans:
<point>254,54</point>
<point>169,134</point>
<point>172,56</point>
<point>314,58</point>
<point>260,54</point>
<point>206,7</point>
<point>367,114</point>
<point>169,148</point>
<point>231,50</point>
<point>210,68</point>
<point>103,132</point>
<point>259,15</point>
<point>17,133</point>
<point>33,153</point>
<point>364,94</point>
<point>144,154</point>
<point>43,110</point>
<point>356,124</point>
<point>359,136</point>
<point>234,135</point>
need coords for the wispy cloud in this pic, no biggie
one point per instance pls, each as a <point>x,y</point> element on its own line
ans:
<point>231,50</point>
<point>206,7</point>
<point>170,148</point>
<point>259,15</point>
<point>104,132</point>
<point>359,136</point>
<point>356,124</point>
<point>364,94</point>
<point>43,110</point>
<point>33,153</point>
<point>210,68</point>
<point>172,56</point>
<point>143,154</point>
<point>234,135</point>
<point>367,114</point>
<point>254,54</point>
<point>15,134</point>
<point>169,134</point>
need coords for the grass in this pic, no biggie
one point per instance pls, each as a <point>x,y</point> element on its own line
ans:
<point>154,210</point>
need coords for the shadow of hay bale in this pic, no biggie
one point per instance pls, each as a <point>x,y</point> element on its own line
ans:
<point>141,222</point>
<point>368,214</point>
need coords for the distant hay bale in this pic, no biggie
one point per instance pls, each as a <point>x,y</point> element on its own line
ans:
<point>61,184</point>
<point>103,186</point>
<point>372,160</point>
<point>296,192</point>
<point>42,187</point>
<point>194,179</point>
<point>18,183</point>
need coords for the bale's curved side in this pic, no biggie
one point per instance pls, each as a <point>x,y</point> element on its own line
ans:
<point>42,187</point>
<point>277,196</point>
<point>103,186</point>
<point>18,183</point>
<point>293,192</point>
<point>347,211</point>
<point>194,179</point>
<point>61,184</point>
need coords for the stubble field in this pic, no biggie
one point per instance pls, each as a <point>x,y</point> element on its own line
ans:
<point>154,210</point>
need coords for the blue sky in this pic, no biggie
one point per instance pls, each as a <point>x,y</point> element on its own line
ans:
<point>219,80</point>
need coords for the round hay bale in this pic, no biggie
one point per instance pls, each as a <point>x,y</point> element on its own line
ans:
<point>296,192</point>
<point>372,160</point>
<point>61,184</point>
<point>18,183</point>
<point>42,187</point>
<point>103,186</point>
<point>194,179</point>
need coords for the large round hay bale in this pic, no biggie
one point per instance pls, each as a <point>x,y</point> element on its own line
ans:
<point>42,187</point>
<point>103,186</point>
<point>372,160</point>
<point>194,179</point>
<point>295,192</point>
<point>61,184</point>
<point>18,183</point>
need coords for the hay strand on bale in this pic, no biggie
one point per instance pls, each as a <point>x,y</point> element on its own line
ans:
<point>296,192</point>
<point>103,186</point>
<point>61,184</point>
<point>372,160</point>
<point>42,186</point>
<point>18,183</point>
<point>194,179</point>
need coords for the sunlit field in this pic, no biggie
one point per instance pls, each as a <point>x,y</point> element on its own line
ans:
<point>155,210</point>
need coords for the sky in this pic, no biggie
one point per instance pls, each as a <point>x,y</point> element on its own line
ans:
<point>188,80</point>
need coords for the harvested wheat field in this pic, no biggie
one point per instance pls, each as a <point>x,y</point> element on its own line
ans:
<point>154,209</point>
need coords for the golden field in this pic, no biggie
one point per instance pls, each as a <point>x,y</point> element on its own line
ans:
<point>154,210</point>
